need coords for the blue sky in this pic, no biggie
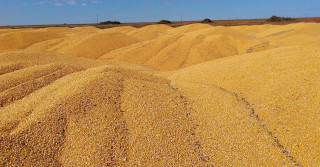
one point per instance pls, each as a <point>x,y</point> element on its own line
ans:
<point>30,12</point>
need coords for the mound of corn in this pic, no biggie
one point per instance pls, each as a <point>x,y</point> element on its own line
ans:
<point>196,95</point>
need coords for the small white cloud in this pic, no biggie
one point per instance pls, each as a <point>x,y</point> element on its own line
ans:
<point>41,2</point>
<point>66,2</point>
<point>58,4</point>
<point>70,2</point>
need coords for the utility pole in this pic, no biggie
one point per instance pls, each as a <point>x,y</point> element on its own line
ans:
<point>97,19</point>
<point>181,17</point>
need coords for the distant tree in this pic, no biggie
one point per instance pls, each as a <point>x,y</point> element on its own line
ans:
<point>280,19</point>
<point>164,22</point>
<point>274,19</point>
<point>110,22</point>
<point>206,20</point>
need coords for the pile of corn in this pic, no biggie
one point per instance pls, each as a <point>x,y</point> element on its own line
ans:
<point>196,95</point>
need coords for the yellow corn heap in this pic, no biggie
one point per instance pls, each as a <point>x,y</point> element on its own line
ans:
<point>195,95</point>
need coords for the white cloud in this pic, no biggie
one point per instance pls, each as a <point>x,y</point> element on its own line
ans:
<point>71,2</point>
<point>58,4</point>
<point>41,2</point>
<point>67,2</point>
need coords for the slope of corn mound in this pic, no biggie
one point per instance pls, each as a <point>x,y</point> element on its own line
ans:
<point>281,85</point>
<point>227,130</point>
<point>6,67</point>
<point>86,29</point>
<point>195,95</point>
<point>43,58</point>
<point>149,32</point>
<point>23,39</point>
<point>185,46</point>
<point>97,44</point>
<point>189,28</point>
<point>95,118</point>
